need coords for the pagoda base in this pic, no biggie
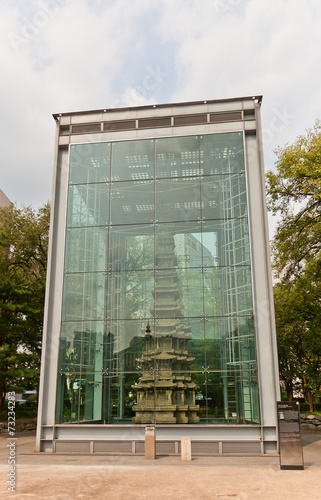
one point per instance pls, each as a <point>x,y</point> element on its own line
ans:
<point>163,415</point>
<point>193,418</point>
<point>167,414</point>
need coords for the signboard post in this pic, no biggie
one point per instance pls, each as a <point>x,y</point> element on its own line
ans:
<point>291,453</point>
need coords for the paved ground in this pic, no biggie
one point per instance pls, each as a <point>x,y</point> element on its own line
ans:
<point>62,477</point>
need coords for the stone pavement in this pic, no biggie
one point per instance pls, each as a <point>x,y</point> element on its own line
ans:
<point>62,476</point>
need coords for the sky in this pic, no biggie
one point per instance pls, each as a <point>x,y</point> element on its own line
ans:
<point>74,55</point>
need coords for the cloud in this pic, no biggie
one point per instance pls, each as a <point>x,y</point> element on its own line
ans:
<point>234,48</point>
<point>69,63</point>
<point>88,54</point>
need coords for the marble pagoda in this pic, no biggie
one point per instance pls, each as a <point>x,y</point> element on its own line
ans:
<point>165,392</point>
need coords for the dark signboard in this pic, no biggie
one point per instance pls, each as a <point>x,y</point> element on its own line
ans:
<point>291,454</point>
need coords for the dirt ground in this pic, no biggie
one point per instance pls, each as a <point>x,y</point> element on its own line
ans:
<point>60,477</point>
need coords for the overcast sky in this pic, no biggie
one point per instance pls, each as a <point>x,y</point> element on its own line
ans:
<point>71,55</point>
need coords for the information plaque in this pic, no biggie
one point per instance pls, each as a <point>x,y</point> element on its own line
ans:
<point>291,453</point>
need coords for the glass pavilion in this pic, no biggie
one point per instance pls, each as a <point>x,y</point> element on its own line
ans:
<point>154,314</point>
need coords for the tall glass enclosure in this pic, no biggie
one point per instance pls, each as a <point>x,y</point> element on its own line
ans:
<point>157,313</point>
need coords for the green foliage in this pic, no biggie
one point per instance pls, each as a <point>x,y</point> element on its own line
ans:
<point>22,369</point>
<point>23,261</point>
<point>294,192</point>
<point>22,410</point>
<point>298,316</point>
<point>304,408</point>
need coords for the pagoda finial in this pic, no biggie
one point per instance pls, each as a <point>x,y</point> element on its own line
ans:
<point>147,335</point>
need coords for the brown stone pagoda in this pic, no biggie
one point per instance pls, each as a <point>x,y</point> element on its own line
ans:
<point>165,392</point>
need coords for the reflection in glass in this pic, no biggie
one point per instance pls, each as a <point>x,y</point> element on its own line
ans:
<point>132,202</point>
<point>88,205</point>
<point>224,197</point>
<point>79,375</point>
<point>89,163</point>
<point>130,294</point>
<point>84,296</point>
<point>227,241</point>
<point>178,157</point>
<point>157,314</point>
<point>178,199</point>
<point>86,249</point>
<point>131,248</point>
<point>133,160</point>
<point>222,153</point>
<point>227,290</point>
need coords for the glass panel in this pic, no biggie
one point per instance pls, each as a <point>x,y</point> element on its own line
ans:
<point>120,397</point>
<point>224,197</point>
<point>133,160</point>
<point>191,292</point>
<point>83,297</point>
<point>210,397</point>
<point>130,294</point>
<point>88,205</point>
<point>164,287</point>
<point>222,153</point>
<point>126,344</point>
<point>178,293</point>
<point>132,202</point>
<point>195,344</point>
<point>239,363</point>
<point>227,397</point>
<point>240,400</point>
<point>82,396</point>
<point>212,290</point>
<point>79,396</point>
<point>178,199</point>
<point>178,245</point>
<point>89,163</point>
<point>227,291</point>
<point>223,328</point>
<point>215,399</point>
<point>238,342</point>
<point>131,247</point>
<point>214,333</point>
<point>227,242</point>
<point>177,157</point>
<point>86,249</point>
<point>229,340</point>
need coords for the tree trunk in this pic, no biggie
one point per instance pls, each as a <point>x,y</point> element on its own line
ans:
<point>310,400</point>
<point>289,388</point>
<point>307,393</point>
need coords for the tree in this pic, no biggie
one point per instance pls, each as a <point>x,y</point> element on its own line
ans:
<point>23,261</point>
<point>298,315</point>
<point>294,192</point>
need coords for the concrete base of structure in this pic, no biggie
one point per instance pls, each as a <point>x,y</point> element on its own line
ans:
<point>130,439</point>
